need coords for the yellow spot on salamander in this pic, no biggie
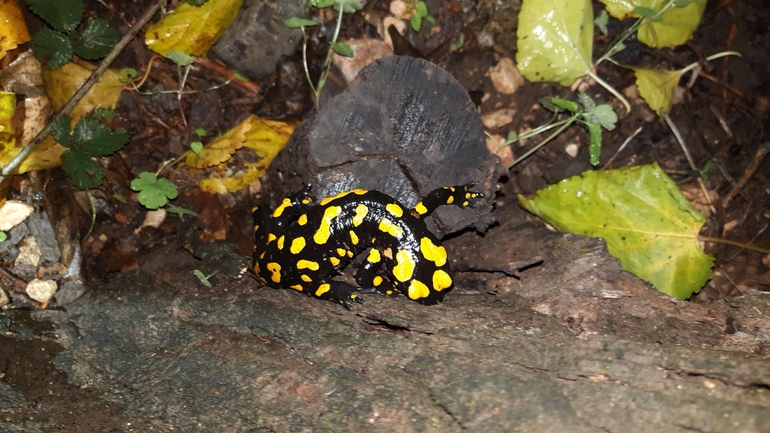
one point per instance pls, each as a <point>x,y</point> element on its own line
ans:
<point>349,253</point>
<point>434,253</point>
<point>305,278</point>
<point>262,256</point>
<point>334,261</point>
<point>307,264</point>
<point>302,220</point>
<point>307,200</point>
<point>323,288</point>
<point>418,290</point>
<point>374,256</point>
<point>404,268</point>
<point>395,210</point>
<point>465,203</point>
<point>353,237</point>
<point>441,280</point>
<point>420,208</point>
<point>296,287</point>
<point>275,268</point>
<point>280,242</point>
<point>387,226</point>
<point>256,228</point>
<point>377,280</point>
<point>279,210</point>
<point>297,245</point>
<point>361,211</point>
<point>270,237</point>
<point>327,200</point>
<point>324,230</point>
<point>450,200</point>
<point>341,252</point>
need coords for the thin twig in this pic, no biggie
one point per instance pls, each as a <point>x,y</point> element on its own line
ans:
<point>680,140</point>
<point>81,92</point>
<point>762,151</point>
<point>622,146</point>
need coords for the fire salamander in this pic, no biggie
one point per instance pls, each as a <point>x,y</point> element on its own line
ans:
<point>301,245</point>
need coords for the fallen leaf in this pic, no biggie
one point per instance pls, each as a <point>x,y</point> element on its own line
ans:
<point>13,213</point>
<point>642,215</point>
<point>555,40</point>
<point>192,29</point>
<point>675,27</point>
<point>657,87</point>
<point>12,27</point>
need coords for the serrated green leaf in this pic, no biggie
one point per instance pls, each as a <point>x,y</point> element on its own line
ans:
<point>296,22</point>
<point>657,87</point>
<point>180,58</point>
<point>342,49</point>
<point>586,101</point>
<point>604,115</point>
<point>82,169</point>
<point>52,48</point>
<point>645,219</point>
<point>96,40</point>
<point>555,40</point>
<point>595,142</point>
<point>153,192</point>
<point>104,114</point>
<point>61,131</point>
<point>63,15</point>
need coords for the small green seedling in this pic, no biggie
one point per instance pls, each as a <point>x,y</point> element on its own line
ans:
<point>153,192</point>
<point>203,278</point>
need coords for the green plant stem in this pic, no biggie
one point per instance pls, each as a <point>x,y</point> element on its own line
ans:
<point>537,131</point>
<point>304,59</point>
<point>327,62</point>
<point>537,147</point>
<point>611,89</point>
<point>692,66</point>
<point>80,93</point>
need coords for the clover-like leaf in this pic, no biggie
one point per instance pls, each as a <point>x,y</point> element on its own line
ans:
<point>643,216</point>
<point>555,40</point>
<point>153,192</point>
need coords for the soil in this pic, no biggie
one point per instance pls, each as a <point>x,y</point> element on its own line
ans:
<point>543,331</point>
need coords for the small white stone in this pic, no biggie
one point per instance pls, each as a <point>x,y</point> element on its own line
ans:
<point>506,77</point>
<point>29,254</point>
<point>41,290</point>
<point>572,150</point>
<point>13,213</point>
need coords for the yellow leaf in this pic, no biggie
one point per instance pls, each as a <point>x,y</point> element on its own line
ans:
<point>62,83</point>
<point>219,150</point>
<point>12,27</point>
<point>7,108</point>
<point>46,155</point>
<point>674,28</point>
<point>657,87</point>
<point>192,29</point>
<point>265,138</point>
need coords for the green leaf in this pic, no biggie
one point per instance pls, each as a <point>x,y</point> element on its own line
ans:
<point>416,22</point>
<point>200,132</point>
<point>180,211</point>
<point>645,12</point>
<point>595,142</point>
<point>61,130</point>
<point>96,41</point>
<point>348,6</point>
<point>555,40</point>
<point>512,136</point>
<point>119,198</point>
<point>180,58</point>
<point>127,75</point>
<point>675,27</point>
<point>196,147</point>
<point>3,236</point>
<point>104,114</point>
<point>296,22</point>
<point>657,87</point>
<point>95,139</point>
<point>240,77</point>
<point>645,219</point>
<point>557,105</point>
<point>197,2</point>
<point>601,21</point>
<point>202,277</point>
<point>52,48</point>
<point>82,169</point>
<point>604,115</point>
<point>586,101</point>
<point>63,15</point>
<point>422,9</point>
<point>321,3</point>
<point>342,49</point>
<point>153,192</point>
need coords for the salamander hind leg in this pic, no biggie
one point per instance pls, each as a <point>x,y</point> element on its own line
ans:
<point>459,195</point>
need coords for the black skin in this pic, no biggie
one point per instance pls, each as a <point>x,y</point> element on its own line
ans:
<point>408,236</point>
